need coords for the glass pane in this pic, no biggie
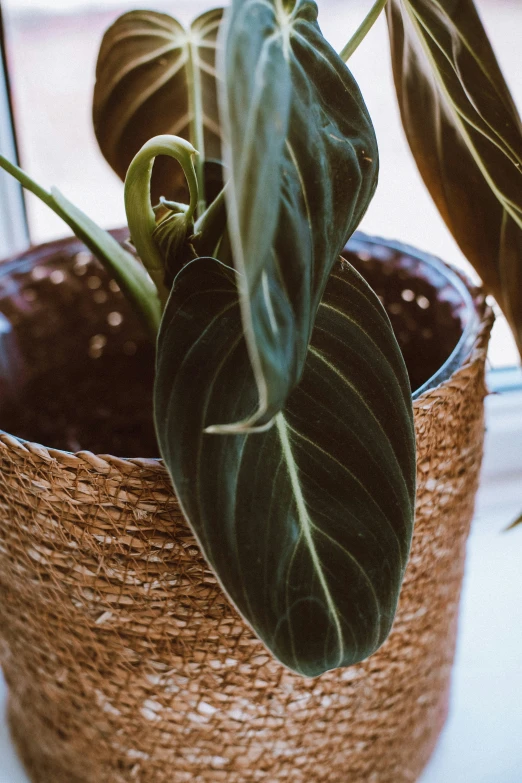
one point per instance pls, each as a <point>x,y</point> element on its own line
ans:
<point>13,223</point>
<point>52,52</point>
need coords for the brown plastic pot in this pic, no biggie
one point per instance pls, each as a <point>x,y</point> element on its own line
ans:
<point>124,660</point>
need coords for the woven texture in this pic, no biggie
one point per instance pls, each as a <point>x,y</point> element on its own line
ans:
<point>126,663</point>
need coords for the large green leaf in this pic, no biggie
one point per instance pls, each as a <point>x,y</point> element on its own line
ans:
<point>303,161</point>
<point>308,524</point>
<point>465,135</point>
<point>154,77</point>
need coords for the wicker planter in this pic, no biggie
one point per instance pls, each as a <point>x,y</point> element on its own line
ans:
<point>124,660</point>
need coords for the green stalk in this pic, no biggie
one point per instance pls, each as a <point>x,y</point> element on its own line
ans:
<point>130,275</point>
<point>516,523</point>
<point>28,183</point>
<point>197,126</point>
<point>363,30</point>
<point>210,226</point>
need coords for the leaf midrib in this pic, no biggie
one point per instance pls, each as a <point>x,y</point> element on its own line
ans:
<point>306,524</point>
<point>504,201</point>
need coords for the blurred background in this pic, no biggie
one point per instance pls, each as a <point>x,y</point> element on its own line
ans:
<point>51,52</point>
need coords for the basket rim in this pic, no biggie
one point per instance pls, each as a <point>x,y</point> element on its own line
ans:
<point>472,302</point>
<point>470,348</point>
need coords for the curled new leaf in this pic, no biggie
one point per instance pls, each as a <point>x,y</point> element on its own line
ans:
<point>465,134</point>
<point>302,157</point>
<point>154,77</point>
<point>159,245</point>
<point>307,525</point>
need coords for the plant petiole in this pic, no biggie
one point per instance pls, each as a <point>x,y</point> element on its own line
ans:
<point>128,272</point>
<point>363,30</point>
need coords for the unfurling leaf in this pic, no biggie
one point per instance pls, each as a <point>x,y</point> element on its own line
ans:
<point>154,77</point>
<point>302,156</point>
<point>307,525</point>
<point>160,245</point>
<point>517,522</point>
<point>466,136</point>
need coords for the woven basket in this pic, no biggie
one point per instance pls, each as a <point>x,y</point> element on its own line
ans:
<point>124,660</point>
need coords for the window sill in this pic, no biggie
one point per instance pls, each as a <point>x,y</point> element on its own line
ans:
<point>481,740</point>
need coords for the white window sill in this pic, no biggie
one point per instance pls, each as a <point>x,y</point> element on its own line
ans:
<point>481,740</point>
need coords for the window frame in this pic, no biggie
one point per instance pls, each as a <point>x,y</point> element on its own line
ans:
<point>14,226</point>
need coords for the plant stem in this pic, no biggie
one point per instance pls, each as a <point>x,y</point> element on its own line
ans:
<point>28,183</point>
<point>127,271</point>
<point>515,524</point>
<point>363,30</point>
<point>198,130</point>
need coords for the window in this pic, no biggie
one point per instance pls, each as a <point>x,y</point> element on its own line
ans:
<point>13,223</point>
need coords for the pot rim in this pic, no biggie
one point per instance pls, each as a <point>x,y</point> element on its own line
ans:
<point>472,317</point>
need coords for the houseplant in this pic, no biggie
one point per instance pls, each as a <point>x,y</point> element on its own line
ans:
<point>176,250</point>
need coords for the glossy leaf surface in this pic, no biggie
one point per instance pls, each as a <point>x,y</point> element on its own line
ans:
<point>465,134</point>
<point>302,157</point>
<point>154,77</point>
<point>307,525</point>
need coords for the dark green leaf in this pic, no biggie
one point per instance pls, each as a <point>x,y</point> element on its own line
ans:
<point>154,77</point>
<point>465,135</point>
<point>303,162</point>
<point>307,525</point>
